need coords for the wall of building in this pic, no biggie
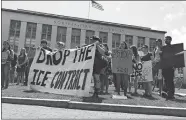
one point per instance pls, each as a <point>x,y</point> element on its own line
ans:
<point>24,18</point>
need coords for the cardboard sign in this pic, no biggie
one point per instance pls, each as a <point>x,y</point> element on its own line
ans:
<point>122,61</point>
<point>143,71</point>
<point>170,56</point>
<point>67,72</point>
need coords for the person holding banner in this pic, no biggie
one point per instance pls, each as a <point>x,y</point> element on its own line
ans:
<point>100,62</point>
<point>44,45</point>
<point>121,77</point>
<point>60,46</point>
<point>105,72</point>
<point>147,84</point>
<point>135,60</point>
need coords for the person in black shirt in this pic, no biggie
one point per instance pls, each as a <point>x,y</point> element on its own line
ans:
<point>105,72</point>
<point>168,74</point>
<point>44,45</point>
<point>147,57</point>
<point>100,61</point>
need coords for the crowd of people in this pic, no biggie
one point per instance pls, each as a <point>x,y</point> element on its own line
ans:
<point>102,68</point>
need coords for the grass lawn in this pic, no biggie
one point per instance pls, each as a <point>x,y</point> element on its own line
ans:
<point>24,92</point>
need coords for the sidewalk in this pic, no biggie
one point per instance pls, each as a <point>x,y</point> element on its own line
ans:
<point>134,104</point>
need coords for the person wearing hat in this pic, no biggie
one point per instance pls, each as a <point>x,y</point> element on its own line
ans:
<point>168,74</point>
<point>60,45</point>
<point>100,61</point>
<point>147,57</point>
<point>156,65</point>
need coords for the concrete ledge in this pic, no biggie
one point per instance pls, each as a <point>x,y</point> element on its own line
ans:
<point>180,112</point>
<point>35,101</point>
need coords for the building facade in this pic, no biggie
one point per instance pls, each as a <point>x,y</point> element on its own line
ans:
<point>25,28</point>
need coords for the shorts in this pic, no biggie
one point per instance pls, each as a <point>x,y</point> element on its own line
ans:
<point>21,69</point>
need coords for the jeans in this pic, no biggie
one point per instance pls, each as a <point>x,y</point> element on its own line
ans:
<point>5,70</point>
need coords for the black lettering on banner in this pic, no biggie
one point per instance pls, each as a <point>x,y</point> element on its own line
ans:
<point>76,81</point>
<point>62,80</point>
<point>49,59</point>
<point>72,79</point>
<point>52,84</point>
<point>88,50</point>
<point>85,78</point>
<point>58,79</point>
<point>70,73</point>
<point>82,53</point>
<point>40,72</point>
<point>45,78</point>
<point>56,62</point>
<point>35,73</point>
<point>38,59</point>
<point>75,56</point>
<point>67,53</point>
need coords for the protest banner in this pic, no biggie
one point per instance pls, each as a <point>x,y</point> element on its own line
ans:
<point>143,71</point>
<point>66,72</point>
<point>122,61</point>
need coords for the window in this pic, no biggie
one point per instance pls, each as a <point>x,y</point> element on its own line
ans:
<point>129,40</point>
<point>89,34</point>
<point>61,34</point>
<point>14,33</point>
<point>46,33</point>
<point>75,38</point>
<point>30,39</point>
<point>116,40</point>
<point>152,44</point>
<point>103,36</point>
<point>141,41</point>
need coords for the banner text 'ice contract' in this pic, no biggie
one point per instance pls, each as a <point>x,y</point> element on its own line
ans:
<point>67,72</point>
<point>122,61</point>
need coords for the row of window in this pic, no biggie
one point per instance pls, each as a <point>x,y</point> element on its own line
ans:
<point>30,39</point>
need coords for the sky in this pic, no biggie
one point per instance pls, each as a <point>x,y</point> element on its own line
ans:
<point>167,16</point>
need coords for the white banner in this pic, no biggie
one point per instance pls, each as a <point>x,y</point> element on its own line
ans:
<point>143,70</point>
<point>67,72</point>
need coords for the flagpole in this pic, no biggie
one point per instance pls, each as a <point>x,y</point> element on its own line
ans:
<point>89,10</point>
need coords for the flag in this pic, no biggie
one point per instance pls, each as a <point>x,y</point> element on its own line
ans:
<point>97,5</point>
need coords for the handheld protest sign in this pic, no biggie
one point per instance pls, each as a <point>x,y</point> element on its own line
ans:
<point>122,61</point>
<point>170,56</point>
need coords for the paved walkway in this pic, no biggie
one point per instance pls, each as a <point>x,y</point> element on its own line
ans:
<point>14,111</point>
